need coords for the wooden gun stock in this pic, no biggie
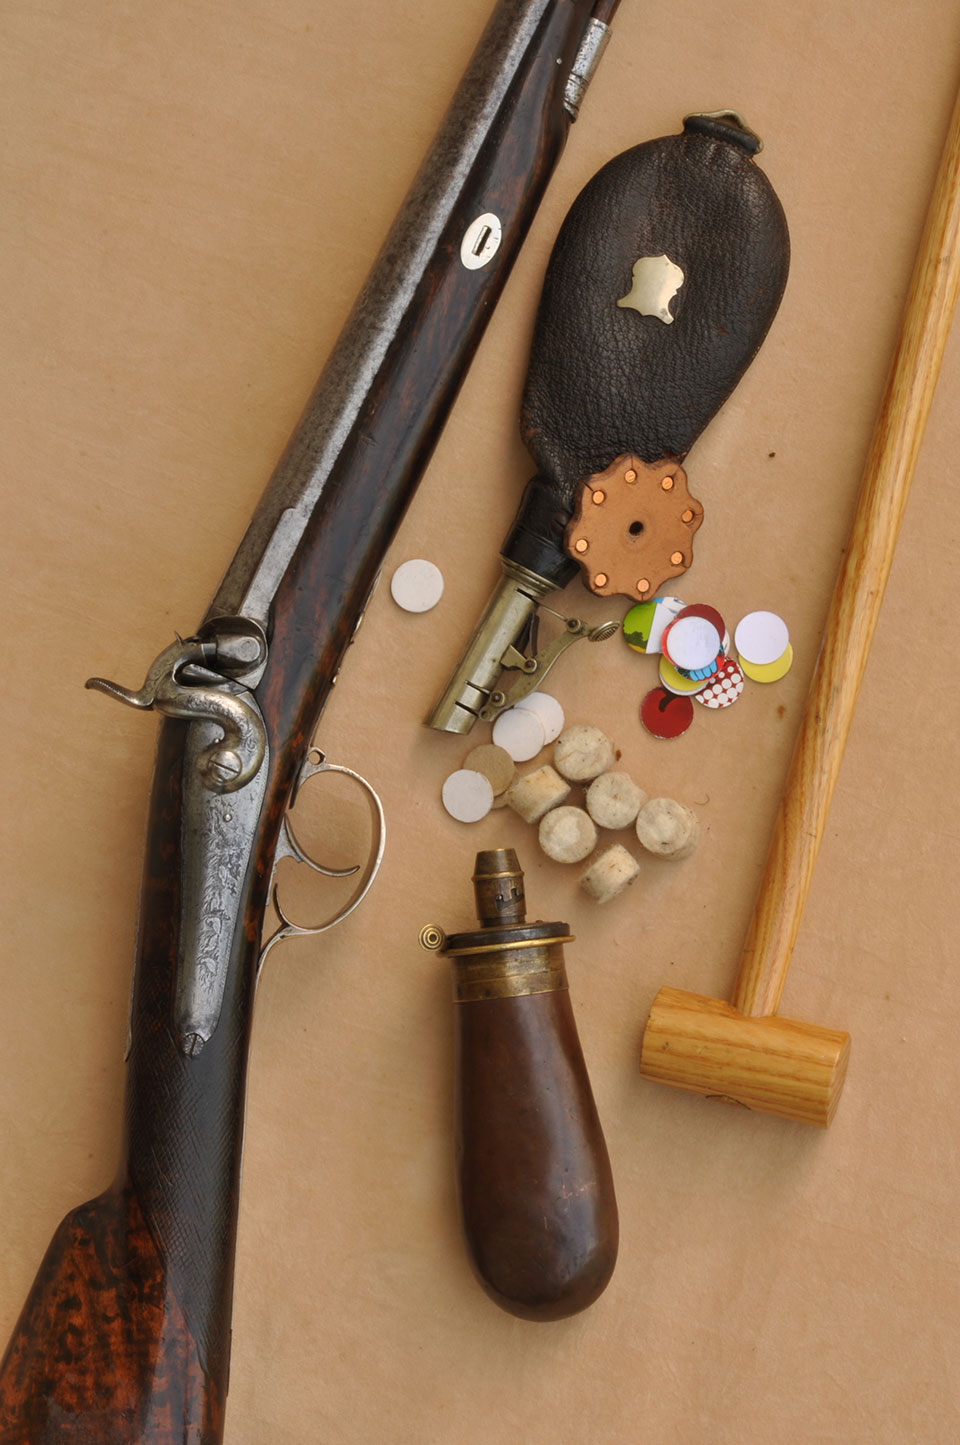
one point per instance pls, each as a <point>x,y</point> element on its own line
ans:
<point>125,1334</point>
<point>102,1350</point>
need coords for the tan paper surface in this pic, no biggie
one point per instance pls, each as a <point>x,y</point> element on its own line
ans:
<point>192,195</point>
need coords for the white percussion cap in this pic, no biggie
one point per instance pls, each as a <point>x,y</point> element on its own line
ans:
<point>417,585</point>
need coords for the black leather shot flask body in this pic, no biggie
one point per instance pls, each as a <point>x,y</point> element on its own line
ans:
<point>662,284</point>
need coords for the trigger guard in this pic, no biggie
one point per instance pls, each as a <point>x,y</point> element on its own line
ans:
<point>289,847</point>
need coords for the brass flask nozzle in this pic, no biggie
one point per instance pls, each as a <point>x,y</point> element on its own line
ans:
<point>505,957</point>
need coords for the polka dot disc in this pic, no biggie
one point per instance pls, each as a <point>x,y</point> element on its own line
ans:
<point>725,688</point>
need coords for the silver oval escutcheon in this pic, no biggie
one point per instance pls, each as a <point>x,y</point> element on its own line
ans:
<point>481,241</point>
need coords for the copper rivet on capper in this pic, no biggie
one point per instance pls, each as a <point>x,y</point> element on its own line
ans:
<point>687,516</point>
<point>600,580</point>
<point>630,475</point>
<point>676,558</point>
<point>599,497</point>
<point>667,484</point>
<point>643,585</point>
<point>582,545</point>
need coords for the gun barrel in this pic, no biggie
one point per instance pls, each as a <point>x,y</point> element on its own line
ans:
<point>455,188</point>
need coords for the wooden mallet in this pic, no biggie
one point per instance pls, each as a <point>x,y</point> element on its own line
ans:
<point>744,1051</point>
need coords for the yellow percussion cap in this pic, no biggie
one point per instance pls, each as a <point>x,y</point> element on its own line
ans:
<point>768,671</point>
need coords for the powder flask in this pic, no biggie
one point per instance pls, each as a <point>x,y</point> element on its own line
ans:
<point>536,1192</point>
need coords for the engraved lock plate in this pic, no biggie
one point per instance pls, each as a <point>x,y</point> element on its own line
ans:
<point>633,527</point>
<point>217,833</point>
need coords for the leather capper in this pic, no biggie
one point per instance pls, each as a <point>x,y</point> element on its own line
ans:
<point>608,380</point>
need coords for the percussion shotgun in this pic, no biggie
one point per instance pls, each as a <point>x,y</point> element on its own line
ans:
<point>125,1335</point>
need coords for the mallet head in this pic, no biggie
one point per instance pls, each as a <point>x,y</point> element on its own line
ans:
<point>772,1064</point>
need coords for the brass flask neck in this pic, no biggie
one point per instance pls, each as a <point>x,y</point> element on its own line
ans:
<point>505,957</point>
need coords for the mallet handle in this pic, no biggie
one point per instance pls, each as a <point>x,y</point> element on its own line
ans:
<point>857,597</point>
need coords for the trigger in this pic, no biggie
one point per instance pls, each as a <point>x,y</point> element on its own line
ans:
<point>288,846</point>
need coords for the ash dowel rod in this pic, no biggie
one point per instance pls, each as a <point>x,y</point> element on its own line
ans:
<point>858,595</point>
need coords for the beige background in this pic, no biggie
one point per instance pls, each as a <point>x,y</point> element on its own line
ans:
<point>192,193</point>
